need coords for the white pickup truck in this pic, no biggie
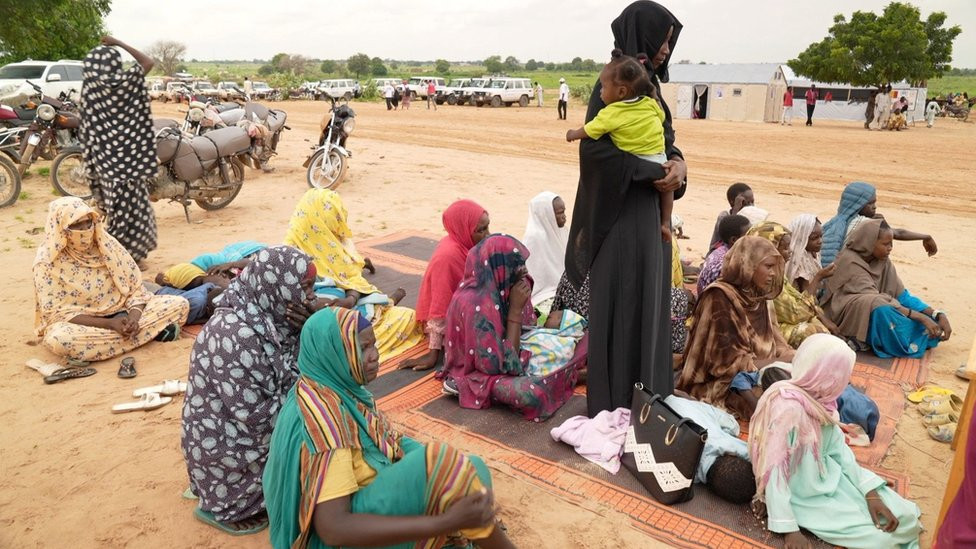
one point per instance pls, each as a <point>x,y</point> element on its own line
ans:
<point>418,86</point>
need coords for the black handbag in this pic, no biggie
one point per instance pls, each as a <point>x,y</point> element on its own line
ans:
<point>662,449</point>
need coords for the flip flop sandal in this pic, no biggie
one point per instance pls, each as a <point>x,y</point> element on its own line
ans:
<point>78,363</point>
<point>68,373</point>
<point>169,387</point>
<point>928,390</point>
<point>188,493</point>
<point>934,420</point>
<point>149,401</point>
<point>127,370</point>
<point>943,433</point>
<point>169,333</point>
<point>207,517</point>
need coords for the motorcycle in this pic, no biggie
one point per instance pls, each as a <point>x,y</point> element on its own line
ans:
<point>327,164</point>
<point>264,125</point>
<point>203,116</point>
<point>207,169</point>
<point>53,131</point>
<point>10,179</point>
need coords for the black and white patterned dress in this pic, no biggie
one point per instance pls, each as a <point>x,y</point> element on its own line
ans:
<point>119,148</point>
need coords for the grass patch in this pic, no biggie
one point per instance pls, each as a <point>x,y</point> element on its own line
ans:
<point>44,172</point>
<point>20,218</point>
<point>954,84</point>
<point>24,195</point>
<point>25,243</point>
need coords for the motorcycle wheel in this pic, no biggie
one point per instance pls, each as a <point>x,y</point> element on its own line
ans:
<point>330,176</point>
<point>68,174</point>
<point>237,179</point>
<point>9,182</point>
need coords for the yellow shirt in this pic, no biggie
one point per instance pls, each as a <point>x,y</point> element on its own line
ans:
<point>635,126</point>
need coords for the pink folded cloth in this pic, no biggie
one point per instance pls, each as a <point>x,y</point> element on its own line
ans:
<point>600,440</point>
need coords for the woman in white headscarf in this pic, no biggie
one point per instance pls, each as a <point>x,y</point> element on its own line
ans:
<point>546,236</point>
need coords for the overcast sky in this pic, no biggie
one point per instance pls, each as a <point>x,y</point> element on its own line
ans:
<point>716,31</point>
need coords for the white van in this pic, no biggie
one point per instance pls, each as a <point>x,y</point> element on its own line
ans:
<point>338,88</point>
<point>418,85</point>
<point>53,77</point>
<point>508,91</point>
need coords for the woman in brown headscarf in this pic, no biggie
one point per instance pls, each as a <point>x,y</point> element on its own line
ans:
<point>871,306</point>
<point>732,328</point>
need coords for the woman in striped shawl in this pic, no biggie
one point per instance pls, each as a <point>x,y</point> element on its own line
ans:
<point>339,475</point>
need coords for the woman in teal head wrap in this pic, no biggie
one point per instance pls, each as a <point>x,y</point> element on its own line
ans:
<point>859,203</point>
<point>339,475</point>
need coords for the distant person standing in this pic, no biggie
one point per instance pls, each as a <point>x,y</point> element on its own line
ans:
<point>563,99</point>
<point>787,107</point>
<point>431,93</point>
<point>388,95</point>
<point>812,96</point>
<point>396,98</point>
<point>538,94</point>
<point>882,108</point>
<point>406,96</point>
<point>869,110</point>
<point>248,87</point>
<point>931,110</point>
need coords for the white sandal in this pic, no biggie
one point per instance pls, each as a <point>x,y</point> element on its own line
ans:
<point>149,401</point>
<point>169,387</point>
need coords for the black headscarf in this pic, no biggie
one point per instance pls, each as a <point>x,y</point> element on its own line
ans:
<point>642,28</point>
<point>606,172</point>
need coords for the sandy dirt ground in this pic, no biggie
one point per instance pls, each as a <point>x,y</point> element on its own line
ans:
<point>73,474</point>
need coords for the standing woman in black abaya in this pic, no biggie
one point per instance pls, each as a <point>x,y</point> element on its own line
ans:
<point>617,266</point>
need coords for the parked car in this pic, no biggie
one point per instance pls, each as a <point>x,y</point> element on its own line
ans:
<point>418,85</point>
<point>381,83</point>
<point>339,88</point>
<point>157,89</point>
<point>54,77</point>
<point>261,90</point>
<point>507,91</point>
<point>204,87</point>
<point>228,90</point>
<point>176,92</point>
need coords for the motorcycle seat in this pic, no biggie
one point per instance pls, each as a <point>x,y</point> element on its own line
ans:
<point>224,107</point>
<point>228,141</point>
<point>197,105</point>
<point>25,114</point>
<point>256,111</point>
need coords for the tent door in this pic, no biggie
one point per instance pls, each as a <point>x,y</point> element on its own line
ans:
<point>685,100</point>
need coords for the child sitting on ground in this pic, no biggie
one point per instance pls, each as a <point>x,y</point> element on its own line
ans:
<point>739,196</point>
<point>554,344</point>
<point>632,116</point>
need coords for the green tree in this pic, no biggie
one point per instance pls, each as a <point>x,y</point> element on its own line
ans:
<point>51,29</point>
<point>512,64</point>
<point>376,67</point>
<point>872,50</point>
<point>328,66</point>
<point>442,66</point>
<point>359,64</point>
<point>589,65</point>
<point>494,64</point>
<point>532,65</point>
<point>576,64</point>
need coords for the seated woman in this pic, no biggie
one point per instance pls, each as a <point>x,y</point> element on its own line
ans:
<point>89,298</point>
<point>797,313</point>
<point>484,360</point>
<point>243,364</point>
<point>806,475</point>
<point>803,268</point>
<point>318,227</point>
<point>859,203</point>
<point>546,236</point>
<point>739,196</point>
<point>730,228</point>
<point>871,306</point>
<point>339,475</point>
<point>732,330</point>
<point>466,224</point>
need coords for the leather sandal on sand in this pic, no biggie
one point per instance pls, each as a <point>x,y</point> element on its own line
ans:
<point>940,405</point>
<point>68,373</point>
<point>169,387</point>
<point>127,368</point>
<point>934,420</point>
<point>928,390</point>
